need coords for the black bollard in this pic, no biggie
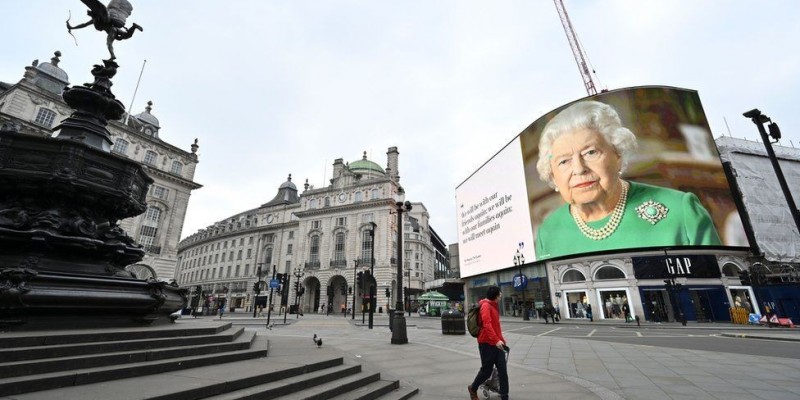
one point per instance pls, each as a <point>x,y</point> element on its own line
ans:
<point>637,321</point>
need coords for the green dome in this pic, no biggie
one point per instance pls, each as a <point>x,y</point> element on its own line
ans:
<point>364,165</point>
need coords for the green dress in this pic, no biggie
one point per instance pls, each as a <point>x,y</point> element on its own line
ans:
<point>679,220</point>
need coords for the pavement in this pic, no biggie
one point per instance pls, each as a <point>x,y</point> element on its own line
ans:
<point>545,367</point>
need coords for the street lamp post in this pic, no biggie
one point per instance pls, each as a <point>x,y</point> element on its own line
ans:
<point>759,119</point>
<point>257,289</point>
<point>399,334</point>
<point>519,259</point>
<point>372,289</point>
<point>298,273</point>
<point>271,289</point>
<point>355,287</point>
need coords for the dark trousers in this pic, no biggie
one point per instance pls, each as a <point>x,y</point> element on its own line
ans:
<point>492,357</point>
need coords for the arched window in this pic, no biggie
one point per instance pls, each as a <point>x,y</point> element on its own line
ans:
<point>327,201</point>
<point>374,194</point>
<point>268,256</point>
<point>312,204</point>
<point>338,252</point>
<point>314,250</point>
<point>150,157</point>
<point>366,246</point>
<point>149,229</point>
<point>358,196</point>
<point>45,117</point>
<point>121,146</point>
<point>609,272</point>
<point>573,275</point>
<point>730,270</point>
<point>177,167</point>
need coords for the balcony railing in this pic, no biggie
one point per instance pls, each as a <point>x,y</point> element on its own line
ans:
<point>153,249</point>
<point>339,263</point>
<point>312,265</point>
<point>364,262</point>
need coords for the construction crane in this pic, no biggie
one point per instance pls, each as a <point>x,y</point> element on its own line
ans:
<point>580,56</point>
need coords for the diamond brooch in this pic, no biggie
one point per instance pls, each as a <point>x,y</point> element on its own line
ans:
<point>652,211</point>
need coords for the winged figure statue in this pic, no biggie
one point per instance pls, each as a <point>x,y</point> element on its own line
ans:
<point>110,19</point>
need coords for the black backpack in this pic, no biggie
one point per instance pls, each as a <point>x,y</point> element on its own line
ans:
<point>474,323</point>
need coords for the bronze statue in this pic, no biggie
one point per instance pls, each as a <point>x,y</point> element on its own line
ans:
<point>110,19</point>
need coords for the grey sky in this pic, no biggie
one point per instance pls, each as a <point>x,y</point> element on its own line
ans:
<point>272,88</point>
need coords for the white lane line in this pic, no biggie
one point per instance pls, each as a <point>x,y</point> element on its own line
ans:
<point>591,333</point>
<point>545,333</point>
<point>639,334</point>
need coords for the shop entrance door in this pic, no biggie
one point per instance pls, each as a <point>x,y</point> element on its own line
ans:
<point>656,305</point>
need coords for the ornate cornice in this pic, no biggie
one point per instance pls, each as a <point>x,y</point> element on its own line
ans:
<point>346,208</point>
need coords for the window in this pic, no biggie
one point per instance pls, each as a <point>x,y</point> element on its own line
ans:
<point>268,256</point>
<point>314,253</point>
<point>223,257</point>
<point>327,201</point>
<point>121,146</point>
<point>249,253</point>
<point>312,203</point>
<point>366,245</point>
<point>250,241</point>
<point>241,242</point>
<point>228,274</point>
<point>374,194</point>
<point>338,252</point>
<point>239,255</point>
<point>153,214</point>
<point>289,249</point>
<point>160,192</point>
<point>177,167</point>
<point>573,276</point>
<point>45,117</point>
<point>316,224</point>
<point>609,272</point>
<point>288,265</point>
<point>291,234</point>
<point>238,270</point>
<point>358,196</point>
<point>367,217</point>
<point>216,258</point>
<point>150,157</point>
<point>246,269</point>
<point>341,221</point>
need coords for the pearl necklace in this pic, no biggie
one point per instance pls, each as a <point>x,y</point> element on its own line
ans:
<point>611,225</point>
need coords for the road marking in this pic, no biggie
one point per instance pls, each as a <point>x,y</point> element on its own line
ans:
<point>639,334</point>
<point>545,333</point>
<point>591,333</point>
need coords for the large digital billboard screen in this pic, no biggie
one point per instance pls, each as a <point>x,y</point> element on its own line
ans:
<point>623,170</point>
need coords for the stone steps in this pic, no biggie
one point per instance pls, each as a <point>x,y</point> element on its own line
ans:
<point>181,361</point>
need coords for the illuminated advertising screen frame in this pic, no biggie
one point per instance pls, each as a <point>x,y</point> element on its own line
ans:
<point>677,193</point>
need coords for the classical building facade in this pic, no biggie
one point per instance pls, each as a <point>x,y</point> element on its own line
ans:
<point>321,237</point>
<point>34,106</point>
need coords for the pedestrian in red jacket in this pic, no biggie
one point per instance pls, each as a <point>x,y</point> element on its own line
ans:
<point>491,345</point>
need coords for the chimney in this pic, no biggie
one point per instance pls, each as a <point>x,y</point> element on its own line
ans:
<point>338,167</point>
<point>391,164</point>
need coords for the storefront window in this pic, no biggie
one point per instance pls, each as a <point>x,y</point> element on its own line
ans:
<point>614,304</point>
<point>576,302</point>
<point>609,272</point>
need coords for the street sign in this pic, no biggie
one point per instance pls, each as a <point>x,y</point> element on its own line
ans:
<point>274,284</point>
<point>520,281</point>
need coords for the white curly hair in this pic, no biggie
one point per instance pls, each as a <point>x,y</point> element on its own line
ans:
<point>589,114</point>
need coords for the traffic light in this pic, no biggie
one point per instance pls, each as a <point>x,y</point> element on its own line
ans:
<point>388,292</point>
<point>279,277</point>
<point>256,288</point>
<point>301,291</point>
<point>744,276</point>
<point>344,289</point>
<point>366,277</point>
<point>297,286</point>
<point>360,280</point>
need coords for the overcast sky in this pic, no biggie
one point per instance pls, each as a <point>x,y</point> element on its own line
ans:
<point>277,87</point>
